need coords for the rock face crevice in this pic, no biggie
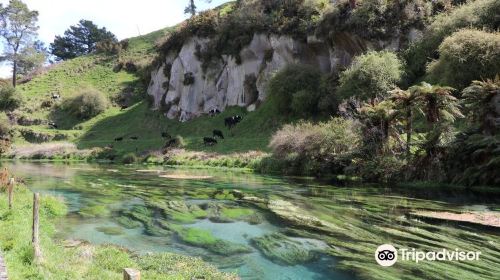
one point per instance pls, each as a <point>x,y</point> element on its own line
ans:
<point>243,82</point>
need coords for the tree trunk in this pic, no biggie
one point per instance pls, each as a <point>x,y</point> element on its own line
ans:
<point>409,128</point>
<point>14,73</point>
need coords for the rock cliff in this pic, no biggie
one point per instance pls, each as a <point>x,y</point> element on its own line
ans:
<point>184,90</point>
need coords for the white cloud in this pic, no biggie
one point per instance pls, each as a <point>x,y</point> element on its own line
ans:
<point>125,18</point>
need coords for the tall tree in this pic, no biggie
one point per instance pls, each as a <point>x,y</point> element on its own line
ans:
<point>480,100</point>
<point>191,7</point>
<point>378,118</point>
<point>80,39</point>
<point>32,58</point>
<point>405,103</point>
<point>18,26</point>
<point>440,109</point>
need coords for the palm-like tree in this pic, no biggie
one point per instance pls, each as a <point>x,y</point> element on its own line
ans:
<point>438,102</point>
<point>379,118</point>
<point>479,99</point>
<point>439,107</point>
<point>405,101</point>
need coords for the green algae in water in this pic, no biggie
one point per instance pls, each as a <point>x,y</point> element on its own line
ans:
<point>95,211</point>
<point>110,230</point>
<point>281,249</point>
<point>127,222</point>
<point>237,213</point>
<point>205,239</point>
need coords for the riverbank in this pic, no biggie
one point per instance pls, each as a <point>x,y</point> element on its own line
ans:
<point>81,261</point>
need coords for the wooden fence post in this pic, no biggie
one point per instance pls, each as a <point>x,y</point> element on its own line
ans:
<point>131,274</point>
<point>10,190</point>
<point>36,226</point>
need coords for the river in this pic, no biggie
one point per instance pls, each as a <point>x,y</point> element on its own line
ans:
<point>158,209</point>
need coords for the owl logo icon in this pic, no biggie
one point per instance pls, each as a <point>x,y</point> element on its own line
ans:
<point>386,255</point>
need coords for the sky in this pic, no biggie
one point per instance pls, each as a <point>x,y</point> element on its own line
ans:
<point>125,18</point>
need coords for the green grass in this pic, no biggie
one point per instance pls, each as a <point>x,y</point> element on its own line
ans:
<point>253,133</point>
<point>84,261</point>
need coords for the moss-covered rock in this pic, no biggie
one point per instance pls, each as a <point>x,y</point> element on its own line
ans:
<point>283,250</point>
<point>95,211</point>
<point>224,195</point>
<point>205,239</point>
<point>110,230</point>
<point>180,212</point>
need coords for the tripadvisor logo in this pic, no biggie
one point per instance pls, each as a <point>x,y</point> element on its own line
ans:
<point>387,255</point>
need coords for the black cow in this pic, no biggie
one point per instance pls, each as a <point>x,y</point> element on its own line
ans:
<point>209,141</point>
<point>118,139</point>
<point>214,112</point>
<point>134,138</point>
<point>56,96</point>
<point>53,125</point>
<point>166,135</point>
<point>217,133</point>
<point>232,121</point>
<point>123,107</point>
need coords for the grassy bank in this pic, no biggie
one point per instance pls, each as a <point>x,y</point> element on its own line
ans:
<point>83,261</point>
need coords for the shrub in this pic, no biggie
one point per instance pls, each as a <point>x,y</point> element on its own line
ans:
<point>383,168</point>
<point>86,104</point>
<point>374,19</point>
<point>474,159</point>
<point>465,56</point>
<point>9,98</point>
<point>233,27</point>
<point>322,147</point>
<point>129,158</point>
<point>371,75</point>
<point>4,124</point>
<point>109,46</point>
<point>188,79</point>
<point>293,79</point>
<point>304,102</point>
<point>481,14</point>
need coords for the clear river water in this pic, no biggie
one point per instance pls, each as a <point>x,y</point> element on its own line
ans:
<point>107,205</point>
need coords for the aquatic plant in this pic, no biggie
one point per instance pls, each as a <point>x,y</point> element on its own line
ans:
<point>281,249</point>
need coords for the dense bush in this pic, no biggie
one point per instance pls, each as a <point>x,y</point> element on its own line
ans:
<point>481,14</point>
<point>129,158</point>
<point>474,159</point>
<point>9,98</point>
<point>86,104</point>
<point>371,75</point>
<point>384,168</point>
<point>375,19</point>
<point>293,85</point>
<point>4,125</point>
<point>465,56</point>
<point>312,148</point>
<point>232,27</point>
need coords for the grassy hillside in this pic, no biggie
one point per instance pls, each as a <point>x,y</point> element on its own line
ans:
<point>97,71</point>
<point>252,133</point>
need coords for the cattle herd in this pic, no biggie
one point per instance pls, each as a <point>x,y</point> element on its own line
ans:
<point>170,141</point>
<point>229,122</point>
